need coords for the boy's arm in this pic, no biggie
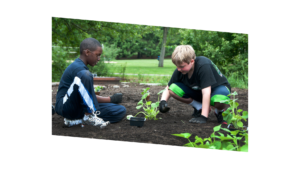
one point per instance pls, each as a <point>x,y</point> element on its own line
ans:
<point>101,99</point>
<point>165,95</point>
<point>206,92</point>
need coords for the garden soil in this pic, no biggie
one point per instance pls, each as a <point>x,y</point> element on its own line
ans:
<point>154,131</point>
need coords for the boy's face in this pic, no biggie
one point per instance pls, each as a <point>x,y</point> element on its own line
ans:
<point>184,67</point>
<point>93,56</point>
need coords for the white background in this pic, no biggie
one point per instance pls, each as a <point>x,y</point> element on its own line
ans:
<point>26,136</point>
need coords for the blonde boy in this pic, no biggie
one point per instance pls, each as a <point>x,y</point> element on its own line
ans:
<point>197,81</point>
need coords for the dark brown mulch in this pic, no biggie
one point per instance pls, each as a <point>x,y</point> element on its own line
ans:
<point>153,131</point>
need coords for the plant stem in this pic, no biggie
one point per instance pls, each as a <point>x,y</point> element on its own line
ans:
<point>191,143</point>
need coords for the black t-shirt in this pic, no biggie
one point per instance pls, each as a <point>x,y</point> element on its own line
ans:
<point>66,81</point>
<point>205,74</point>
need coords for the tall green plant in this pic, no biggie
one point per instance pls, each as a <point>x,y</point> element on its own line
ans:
<point>150,109</point>
<point>233,115</point>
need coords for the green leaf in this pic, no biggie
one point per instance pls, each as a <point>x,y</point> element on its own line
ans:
<point>148,103</point>
<point>245,114</point>
<point>235,105</point>
<point>234,132</point>
<point>217,128</point>
<point>230,147</point>
<point>221,134</point>
<point>198,140</point>
<point>228,118</point>
<point>217,144</point>
<point>235,141</point>
<point>138,107</point>
<point>145,95</point>
<point>154,105</point>
<point>240,124</point>
<point>207,139</point>
<point>239,110</point>
<point>244,148</point>
<point>225,129</point>
<point>184,135</point>
<point>140,102</point>
<point>189,145</point>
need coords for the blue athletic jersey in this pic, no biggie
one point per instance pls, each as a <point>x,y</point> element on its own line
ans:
<point>66,81</point>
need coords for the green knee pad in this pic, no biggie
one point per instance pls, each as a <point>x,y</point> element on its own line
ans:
<point>218,98</point>
<point>177,90</point>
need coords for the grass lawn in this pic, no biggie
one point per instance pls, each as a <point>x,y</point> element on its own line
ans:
<point>143,66</point>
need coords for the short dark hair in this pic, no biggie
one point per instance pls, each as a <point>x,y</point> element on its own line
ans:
<point>89,43</point>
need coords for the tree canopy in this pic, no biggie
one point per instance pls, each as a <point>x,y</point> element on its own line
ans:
<point>229,51</point>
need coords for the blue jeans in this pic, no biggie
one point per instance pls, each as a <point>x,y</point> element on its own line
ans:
<point>81,98</point>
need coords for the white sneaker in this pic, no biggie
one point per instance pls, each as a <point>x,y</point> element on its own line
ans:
<point>93,120</point>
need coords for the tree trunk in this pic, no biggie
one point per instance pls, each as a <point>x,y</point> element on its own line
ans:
<point>163,48</point>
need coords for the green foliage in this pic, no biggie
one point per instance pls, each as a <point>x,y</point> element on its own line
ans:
<point>233,115</point>
<point>101,69</point>
<point>218,140</point>
<point>98,88</point>
<point>238,82</point>
<point>229,51</point>
<point>60,55</point>
<point>110,52</point>
<point>150,109</point>
<point>72,31</point>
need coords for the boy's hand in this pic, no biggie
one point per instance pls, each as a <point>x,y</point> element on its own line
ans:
<point>163,106</point>
<point>116,98</point>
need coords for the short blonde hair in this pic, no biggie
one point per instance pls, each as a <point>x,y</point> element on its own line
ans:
<point>183,53</point>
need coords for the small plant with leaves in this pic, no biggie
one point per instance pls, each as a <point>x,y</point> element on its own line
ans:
<point>98,88</point>
<point>150,109</point>
<point>233,115</point>
<point>230,142</point>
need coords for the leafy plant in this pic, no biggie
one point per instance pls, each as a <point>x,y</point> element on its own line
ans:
<point>221,142</point>
<point>98,88</point>
<point>110,52</point>
<point>233,115</point>
<point>60,55</point>
<point>150,109</point>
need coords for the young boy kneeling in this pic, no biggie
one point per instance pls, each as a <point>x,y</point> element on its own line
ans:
<point>196,81</point>
<point>76,100</point>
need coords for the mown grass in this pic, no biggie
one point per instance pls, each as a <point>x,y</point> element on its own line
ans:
<point>150,66</point>
<point>234,81</point>
<point>142,66</point>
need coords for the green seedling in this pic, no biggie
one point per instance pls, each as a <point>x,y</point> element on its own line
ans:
<point>98,88</point>
<point>150,109</point>
<point>219,142</point>
<point>233,115</point>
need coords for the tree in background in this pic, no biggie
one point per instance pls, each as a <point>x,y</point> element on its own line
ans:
<point>67,34</point>
<point>163,47</point>
<point>229,51</point>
